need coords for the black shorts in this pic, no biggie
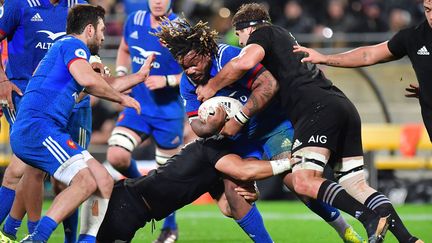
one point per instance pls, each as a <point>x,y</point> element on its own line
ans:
<point>332,123</point>
<point>123,217</point>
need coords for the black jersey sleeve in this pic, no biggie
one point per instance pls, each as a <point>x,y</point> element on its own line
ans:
<point>262,37</point>
<point>216,148</point>
<point>398,44</point>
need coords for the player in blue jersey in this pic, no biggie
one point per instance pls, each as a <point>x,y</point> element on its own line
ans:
<point>267,133</point>
<point>39,135</point>
<point>163,113</point>
<point>31,28</point>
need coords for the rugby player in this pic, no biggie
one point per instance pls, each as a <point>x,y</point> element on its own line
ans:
<point>185,177</point>
<point>162,116</point>
<point>39,135</point>
<point>413,42</point>
<point>31,27</point>
<point>268,133</point>
<point>325,121</point>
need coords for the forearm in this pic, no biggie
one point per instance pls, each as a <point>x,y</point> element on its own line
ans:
<point>264,88</point>
<point>124,83</point>
<point>358,57</point>
<point>105,91</point>
<point>231,72</point>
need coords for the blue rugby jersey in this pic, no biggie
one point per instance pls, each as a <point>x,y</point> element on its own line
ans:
<point>31,27</point>
<point>258,126</point>
<point>160,103</point>
<point>52,91</point>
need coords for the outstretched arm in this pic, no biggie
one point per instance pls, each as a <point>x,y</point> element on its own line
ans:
<point>250,56</point>
<point>252,169</point>
<point>359,57</point>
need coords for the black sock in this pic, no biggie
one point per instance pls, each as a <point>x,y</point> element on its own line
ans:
<point>333,194</point>
<point>382,205</point>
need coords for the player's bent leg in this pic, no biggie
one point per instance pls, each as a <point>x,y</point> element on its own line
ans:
<point>330,214</point>
<point>246,215</point>
<point>121,144</point>
<point>351,176</point>
<point>28,199</point>
<point>82,184</point>
<point>11,177</point>
<point>95,207</point>
<point>306,164</point>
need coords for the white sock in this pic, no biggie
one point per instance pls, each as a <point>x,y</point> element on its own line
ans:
<point>340,225</point>
<point>92,214</point>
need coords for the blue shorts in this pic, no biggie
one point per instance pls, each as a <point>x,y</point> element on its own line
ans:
<point>276,142</point>
<point>167,133</point>
<point>43,145</point>
<point>79,126</point>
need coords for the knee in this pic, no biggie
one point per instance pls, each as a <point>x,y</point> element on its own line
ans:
<point>86,182</point>
<point>301,184</point>
<point>106,184</point>
<point>13,174</point>
<point>118,157</point>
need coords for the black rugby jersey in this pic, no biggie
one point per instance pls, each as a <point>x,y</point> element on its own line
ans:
<point>300,83</point>
<point>416,43</point>
<point>184,178</point>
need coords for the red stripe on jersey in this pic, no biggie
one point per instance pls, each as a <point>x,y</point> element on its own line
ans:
<point>73,60</point>
<point>3,33</point>
<point>192,113</point>
<point>253,75</point>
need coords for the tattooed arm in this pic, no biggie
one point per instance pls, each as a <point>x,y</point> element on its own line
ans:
<point>264,87</point>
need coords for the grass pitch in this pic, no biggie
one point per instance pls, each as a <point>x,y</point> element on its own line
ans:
<point>285,221</point>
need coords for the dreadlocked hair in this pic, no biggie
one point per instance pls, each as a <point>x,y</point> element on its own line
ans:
<point>180,37</point>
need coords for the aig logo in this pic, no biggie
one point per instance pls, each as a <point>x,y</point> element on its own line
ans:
<point>318,139</point>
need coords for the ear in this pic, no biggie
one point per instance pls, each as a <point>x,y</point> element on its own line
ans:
<point>89,30</point>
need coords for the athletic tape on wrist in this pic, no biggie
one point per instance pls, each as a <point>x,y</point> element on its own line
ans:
<point>171,80</point>
<point>241,117</point>
<point>121,70</point>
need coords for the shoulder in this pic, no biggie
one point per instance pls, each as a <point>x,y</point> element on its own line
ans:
<point>137,18</point>
<point>27,3</point>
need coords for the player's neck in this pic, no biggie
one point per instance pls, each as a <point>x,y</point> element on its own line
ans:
<point>54,2</point>
<point>156,21</point>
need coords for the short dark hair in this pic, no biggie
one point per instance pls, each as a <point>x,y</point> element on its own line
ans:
<point>251,14</point>
<point>82,15</point>
<point>180,37</point>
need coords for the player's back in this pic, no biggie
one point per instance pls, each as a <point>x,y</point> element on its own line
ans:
<point>184,178</point>
<point>52,92</point>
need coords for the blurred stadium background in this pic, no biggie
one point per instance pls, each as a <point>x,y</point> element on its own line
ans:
<point>396,145</point>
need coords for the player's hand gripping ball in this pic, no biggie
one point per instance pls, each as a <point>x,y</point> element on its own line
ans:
<point>208,108</point>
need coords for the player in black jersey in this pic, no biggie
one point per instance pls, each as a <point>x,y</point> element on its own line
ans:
<point>326,123</point>
<point>185,177</point>
<point>414,42</point>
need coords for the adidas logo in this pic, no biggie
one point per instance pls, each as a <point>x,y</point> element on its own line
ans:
<point>36,18</point>
<point>423,51</point>
<point>358,214</point>
<point>134,35</point>
<point>286,143</point>
<point>296,144</point>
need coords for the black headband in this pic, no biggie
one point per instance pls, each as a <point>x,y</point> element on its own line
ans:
<point>245,24</point>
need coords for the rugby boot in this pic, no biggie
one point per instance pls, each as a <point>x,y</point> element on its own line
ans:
<point>5,238</point>
<point>351,236</point>
<point>377,229</point>
<point>29,239</point>
<point>167,235</point>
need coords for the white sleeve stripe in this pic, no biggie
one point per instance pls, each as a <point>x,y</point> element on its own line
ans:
<point>53,153</point>
<point>59,147</point>
<point>219,61</point>
<point>139,17</point>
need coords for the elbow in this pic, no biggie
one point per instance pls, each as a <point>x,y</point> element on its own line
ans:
<point>244,64</point>
<point>244,174</point>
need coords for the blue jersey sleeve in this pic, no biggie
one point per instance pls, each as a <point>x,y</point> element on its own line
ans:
<point>128,25</point>
<point>226,53</point>
<point>10,16</point>
<point>187,91</point>
<point>73,51</point>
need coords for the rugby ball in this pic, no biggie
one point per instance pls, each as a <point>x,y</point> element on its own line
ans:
<point>208,108</point>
